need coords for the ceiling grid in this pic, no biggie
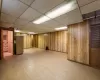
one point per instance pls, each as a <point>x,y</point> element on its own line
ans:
<point>22,13</point>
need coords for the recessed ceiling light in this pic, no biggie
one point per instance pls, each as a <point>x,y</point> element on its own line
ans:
<point>41,20</point>
<point>58,11</point>
<point>61,28</point>
<point>31,33</point>
<point>45,34</point>
<point>17,31</point>
<point>24,34</point>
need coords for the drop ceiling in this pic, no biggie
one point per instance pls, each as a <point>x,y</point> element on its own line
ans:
<point>21,13</point>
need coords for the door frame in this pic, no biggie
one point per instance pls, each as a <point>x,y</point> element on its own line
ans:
<point>1,45</point>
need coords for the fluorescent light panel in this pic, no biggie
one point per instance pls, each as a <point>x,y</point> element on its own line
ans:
<point>66,7</point>
<point>41,20</point>
<point>58,11</point>
<point>61,28</point>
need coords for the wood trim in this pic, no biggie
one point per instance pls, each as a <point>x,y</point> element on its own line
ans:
<point>79,62</point>
<point>0,46</point>
<point>89,43</point>
<point>10,29</point>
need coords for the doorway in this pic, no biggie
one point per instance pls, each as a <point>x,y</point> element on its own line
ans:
<point>7,43</point>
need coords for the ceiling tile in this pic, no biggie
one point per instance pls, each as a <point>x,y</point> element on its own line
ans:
<point>13,7</point>
<point>71,17</point>
<point>84,2</point>
<point>21,22</point>
<point>7,18</point>
<point>62,19</point>
<point>45,5</point>
<point>18,26</point>
<point>30,24</point>
<point>31,28</point>
<point>30,14</point>
<point>51,23</point>
<point>6,24</point>
<point>37,28</point>
<point>43,27</point>
<point>91,7</point>
<point>28,2</point>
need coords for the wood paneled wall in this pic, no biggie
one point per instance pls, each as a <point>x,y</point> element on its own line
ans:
<point>35,41</point>
<point>56,41</point>
<point>95,44</point>
<point>95,57</point>
<point>28,40</point>
<point>78,42</point>
<point>41,41</point>
<point>0,7</point>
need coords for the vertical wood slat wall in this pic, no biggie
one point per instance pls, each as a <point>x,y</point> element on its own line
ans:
<point>56,41</point>
<point>35,41</point>
<point>78,42</point>
<point>95,43</point>
<point>28,40</point>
